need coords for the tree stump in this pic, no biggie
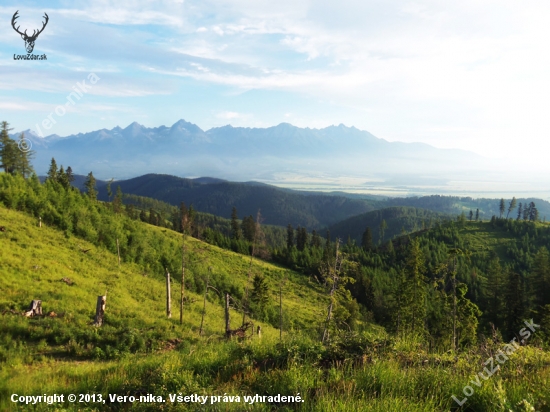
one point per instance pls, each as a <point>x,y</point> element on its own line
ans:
<point>259,332</point>
<point>35,309</point>
<point>100,310</point>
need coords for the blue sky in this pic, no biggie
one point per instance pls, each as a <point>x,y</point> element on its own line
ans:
<point>470,74</point>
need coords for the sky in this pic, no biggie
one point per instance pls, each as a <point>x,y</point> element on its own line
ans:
<point>472,74</point>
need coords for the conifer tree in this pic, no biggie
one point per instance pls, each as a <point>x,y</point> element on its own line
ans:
<point>52,171</point>
<point>414,304</point>
<point>494,293</point>
<point>62,178</point>
<point>477,214</point>
<point>8,150</point>
<point>301,238</point>
<point>235,226</point>
<point>541,277</point>
<point>70,175</point>
<point>260,292</point>
<point>471,215</point>
<point>501,207</point>
<point>89,184</point>
<point>366,239</point>
<point>117,201</point>
<point>515,304</point>
<point>520,211</point>
<point>512,206</point>
<point>23,158</point>
<point>289,237</point>
<point>383,227</point>
<point>248,228</point>
<point>315,239</point>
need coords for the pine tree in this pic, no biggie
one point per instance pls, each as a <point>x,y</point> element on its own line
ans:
<point>383,227</point>
<point>541,277</point>
<point>520,211</point>
<point>477,214</point>
<point>235,226</point>
<point>289,237</point>
<point>494,293</point>
<point>248,228</point>
<point>70,175</point>
<point>366,239</point>
<point>23,158</point>
<point>512,206</point>
<point>260,292</point>
<point>315,239</point>
<point>301,238</point>
<point>62,178</point>
<point>117,201</point>
<point>471,215</point>
<point>8,150</point>
<point>89,184</point>
<point>414,305</point>
<point>515,305</point>
<point>52,171</point>
<point>501,207</point>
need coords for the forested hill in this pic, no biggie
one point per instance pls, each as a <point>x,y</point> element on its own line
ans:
<point>398,220</point>
<point>455,205</point>
<point>277,206</point>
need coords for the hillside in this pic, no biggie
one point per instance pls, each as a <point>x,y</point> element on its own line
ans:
<point>364,364</point>
<point>278,206</point>
<point>399,221</point>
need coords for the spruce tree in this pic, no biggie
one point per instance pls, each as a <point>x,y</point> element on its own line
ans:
<point>494,293</point>
<point>70,175</point>
<point>540,277</point>
<point>260,292</point>
<point>414,304</point>
<point>366,239</point>
<point>515,305</point>
<point>501,207</point>
<point>52,171</point>
<point>62,178</point>
<point>512,206</point>
<point>235,226</point>
<point>89,184</point>
<point>23,158</point>
<point>117,201</point>
<point>477,214</point>
<point>301,238</point>
<point>471,215</point>
<point>289,237</point>
<point>520,211</point>
<point>8,150</point>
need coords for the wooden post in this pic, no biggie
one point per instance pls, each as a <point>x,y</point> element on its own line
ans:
<point>100,310</point>
<point>182,277</point>
<point>259,332</point>
<point>118,251</point>
<point>168,296</point>
<point>35,309</point>
<point>39,221</point>
<point>281,311</point>
<point>204,306</point>
<point>227,320</point>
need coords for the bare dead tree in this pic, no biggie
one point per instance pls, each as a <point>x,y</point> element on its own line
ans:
<point>256,234</point>
<point>100,310</point>
<point>168,295</point>
<point>334,278</point>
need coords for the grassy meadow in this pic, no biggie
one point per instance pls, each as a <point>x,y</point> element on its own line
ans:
<point>140,351</point>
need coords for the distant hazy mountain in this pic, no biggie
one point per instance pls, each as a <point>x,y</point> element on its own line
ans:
<point>238,153</point>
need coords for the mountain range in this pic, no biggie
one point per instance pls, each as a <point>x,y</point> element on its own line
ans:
<point>238,153</point>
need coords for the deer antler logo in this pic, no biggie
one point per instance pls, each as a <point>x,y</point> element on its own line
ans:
<point>29,40</point>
